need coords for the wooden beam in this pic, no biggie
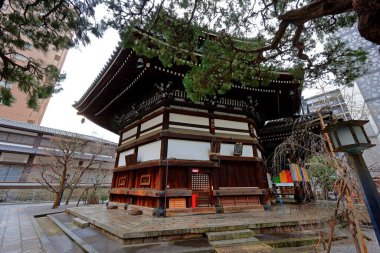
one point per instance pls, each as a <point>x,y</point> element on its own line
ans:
<point>147,192</point>
<point>239,191</point>
<point>179,193</point>
<point>236,158</point>
<point>179,163</point>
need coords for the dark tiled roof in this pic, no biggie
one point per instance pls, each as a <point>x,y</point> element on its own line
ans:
<point>43,151</point>
<point>289,124</point>
<point>46,130</point>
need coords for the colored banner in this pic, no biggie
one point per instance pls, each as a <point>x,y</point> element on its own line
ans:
<point>298,173</point>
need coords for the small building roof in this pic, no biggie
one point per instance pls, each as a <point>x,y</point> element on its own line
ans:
<point>276,131</point>
<point>7,123</point>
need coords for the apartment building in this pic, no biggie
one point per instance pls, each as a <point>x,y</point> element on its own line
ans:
<point>19,110</point>
<point>346,105</point>
<point>332,100</point>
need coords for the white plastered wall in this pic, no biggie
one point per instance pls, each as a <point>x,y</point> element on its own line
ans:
<point>148,152</point>
<point>122,155</point>
<point>188,150</point>
<point>152,122</point>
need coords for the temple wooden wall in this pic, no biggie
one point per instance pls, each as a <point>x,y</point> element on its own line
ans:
<point>232,174</point>
<point>178,177</point>
<point>172,136</point>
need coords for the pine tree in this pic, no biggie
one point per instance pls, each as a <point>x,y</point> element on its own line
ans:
<point>239,40</point>
<point>42,25</point>
<point>223,41</point>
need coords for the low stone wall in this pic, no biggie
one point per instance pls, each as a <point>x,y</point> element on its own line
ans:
<point>33,195</point>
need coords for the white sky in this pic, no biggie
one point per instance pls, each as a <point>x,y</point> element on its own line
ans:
<point>81,67</point>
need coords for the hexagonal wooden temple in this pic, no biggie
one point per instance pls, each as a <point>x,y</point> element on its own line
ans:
<point>176,155</point>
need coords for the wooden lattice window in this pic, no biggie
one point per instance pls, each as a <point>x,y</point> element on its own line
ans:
<point>177,203</point>
<point>145,180</point>
<point>122,182</point>
<point>200,182</point>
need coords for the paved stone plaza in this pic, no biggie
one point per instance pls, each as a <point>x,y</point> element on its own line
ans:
<point>19,231</point>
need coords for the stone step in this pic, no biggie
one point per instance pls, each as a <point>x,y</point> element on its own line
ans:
<point>300,239</point>
<point>247,248</point>
<point>93,241</point>
<point>304,234</point>
<point>293,242</point>
<point>303,249</point>
<point>249,240</point>
<point>228,235</point>
<point>79,241</point>
<point>305,238</point>
<point>200,250</point>
<point>81,223</point>
<point>199,245</point>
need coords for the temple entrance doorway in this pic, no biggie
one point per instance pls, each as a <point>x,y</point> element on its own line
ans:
<point>201,187</point>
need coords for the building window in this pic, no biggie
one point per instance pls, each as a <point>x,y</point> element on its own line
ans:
<point>3,136</point>
<point>28,140</point>
<point>6,84</point>
<point>10,173</point>
<point>19,57</point>
<point>57,58</point>
<point>15,138</point>
<point>28,46</point>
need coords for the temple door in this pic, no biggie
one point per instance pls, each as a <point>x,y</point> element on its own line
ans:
<point>201,188</point>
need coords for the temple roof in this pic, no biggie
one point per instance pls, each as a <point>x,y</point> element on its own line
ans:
<point>129,85</point>
<point>276,131</point>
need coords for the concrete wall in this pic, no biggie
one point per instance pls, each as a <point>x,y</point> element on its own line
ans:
<point>35,195</point>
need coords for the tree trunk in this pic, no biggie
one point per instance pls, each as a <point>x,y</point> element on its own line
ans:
<point>81,196</point>
<point>57,199</point>
<point>369,19</point>
<point>316,9</point>
<point>61,188</point>
<point>69,196</point>
<point>368,12</point>
<point>325,193</point>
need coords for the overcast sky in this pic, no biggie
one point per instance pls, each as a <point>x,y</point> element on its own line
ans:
<point>81,67</point>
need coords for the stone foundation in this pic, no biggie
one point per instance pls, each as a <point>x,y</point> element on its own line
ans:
<point>33,195</point>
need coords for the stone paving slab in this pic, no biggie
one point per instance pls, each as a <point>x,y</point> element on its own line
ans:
<point>18,233</point>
